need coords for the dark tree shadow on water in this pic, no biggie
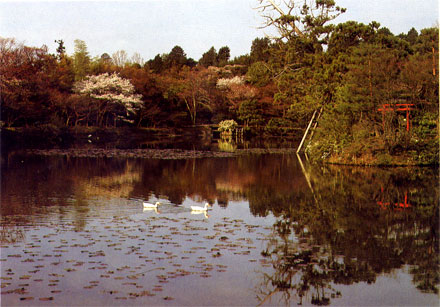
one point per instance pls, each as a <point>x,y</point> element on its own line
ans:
<point>351,226</point>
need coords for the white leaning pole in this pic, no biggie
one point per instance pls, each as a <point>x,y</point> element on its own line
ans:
<point>305,133</point>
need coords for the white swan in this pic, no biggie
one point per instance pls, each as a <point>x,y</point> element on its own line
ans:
<point>197,208</point>
<point>151,206</point>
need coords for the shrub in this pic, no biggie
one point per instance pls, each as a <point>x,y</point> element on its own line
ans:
<point>258,74</point>
<point>227,125</point>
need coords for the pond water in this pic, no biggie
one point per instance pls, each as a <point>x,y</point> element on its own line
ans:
<point>279,232</point>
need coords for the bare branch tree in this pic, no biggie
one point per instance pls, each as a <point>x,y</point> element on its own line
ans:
<point>120,58</point>
<point>297,18</point>
<point>136,58</point>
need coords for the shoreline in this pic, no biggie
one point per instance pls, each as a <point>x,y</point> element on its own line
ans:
<point>165,154</point>
<point>129,142</point>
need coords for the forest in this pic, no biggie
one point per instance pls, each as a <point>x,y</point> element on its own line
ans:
<point>374,93</point>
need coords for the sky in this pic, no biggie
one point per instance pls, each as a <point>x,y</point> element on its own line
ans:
<point>151,27</point>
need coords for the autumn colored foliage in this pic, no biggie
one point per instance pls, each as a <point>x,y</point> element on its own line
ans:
<point>348,71</point>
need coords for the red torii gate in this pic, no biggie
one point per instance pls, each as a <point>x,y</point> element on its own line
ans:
<point>397,206</point>
<point>397,107</point>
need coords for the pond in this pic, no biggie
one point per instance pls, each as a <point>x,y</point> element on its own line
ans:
<point>280,231</point>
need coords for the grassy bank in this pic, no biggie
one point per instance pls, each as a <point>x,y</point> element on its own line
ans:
<point>373,152</point>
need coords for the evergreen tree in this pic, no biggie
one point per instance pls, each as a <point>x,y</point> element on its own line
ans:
<point>61,50</point>
<point>224,53</point>
<point>190,62</point>
<point>176,58</point>
<point>209,58</point>
<point>105,57</point>
<point>260,50</point>
<point>411,36</point>
<point>157,64</point>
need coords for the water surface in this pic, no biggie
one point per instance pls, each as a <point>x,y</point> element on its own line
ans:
<point>280,232</point>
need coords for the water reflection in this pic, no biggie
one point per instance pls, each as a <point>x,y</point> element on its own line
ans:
<point>360,222</point>
<point>333,226</point>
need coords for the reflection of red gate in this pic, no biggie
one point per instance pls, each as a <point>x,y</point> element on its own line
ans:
<point>397,107</point>
<point>396,206</point>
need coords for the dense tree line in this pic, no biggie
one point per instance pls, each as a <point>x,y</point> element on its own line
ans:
<point>346,72</point>
<point>41,88</point>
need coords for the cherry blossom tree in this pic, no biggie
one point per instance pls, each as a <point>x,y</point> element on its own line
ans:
<point>116,98</point>
<point>236,91</point>
<point>227,83</point>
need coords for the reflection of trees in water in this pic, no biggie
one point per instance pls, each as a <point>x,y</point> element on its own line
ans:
<point>304,269</point>
<point>345,237</point>
<point>33,187</point>
<point>24,183</point>
<point>60,180</point>
<point>341,234</point>
<point>223,179</point>
<point>116,184</point>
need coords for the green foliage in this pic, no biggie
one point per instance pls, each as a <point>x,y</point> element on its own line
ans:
<point>243,60</point>
<point>175,60</point>
<point>258,74</point>
<point>350,70</point>
<point>428,152</point>
<point>426,125</point>
<point>277,126</point>
<point>371,74</point>
<point>349,34</point>
<point>250,113</point>
<point>177,57</point>
<point>411,37</point>
<point>157,64</point>
<point>209,58</point>
<point>81,60</point>
<point>224,53</point>
<point>427,41</point>
<point>308,21</point>
<point>260,50</point>
<point>384,159</point>
<point>61,49</point>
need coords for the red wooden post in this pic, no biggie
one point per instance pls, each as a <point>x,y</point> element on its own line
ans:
<point>400,107</point>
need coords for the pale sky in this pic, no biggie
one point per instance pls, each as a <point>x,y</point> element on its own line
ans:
<point>150,27</point>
